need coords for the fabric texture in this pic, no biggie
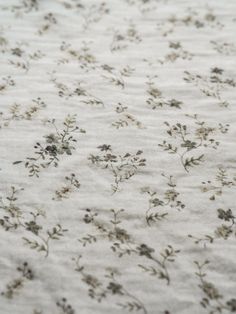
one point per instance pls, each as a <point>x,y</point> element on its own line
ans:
<point>117,127</point>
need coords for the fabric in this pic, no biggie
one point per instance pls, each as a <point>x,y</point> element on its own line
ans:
<point>117,156</point>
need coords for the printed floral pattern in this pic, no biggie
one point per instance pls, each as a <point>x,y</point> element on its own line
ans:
<point>117,125</point>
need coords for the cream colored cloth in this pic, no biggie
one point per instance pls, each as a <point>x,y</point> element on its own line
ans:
<point>117,156</point>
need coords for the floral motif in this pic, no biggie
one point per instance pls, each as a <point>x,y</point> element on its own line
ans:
<point>15,218</point>
<point>6,83</point>
<point>188,141</point>
<point>117,77</point>
<point>120,40</point>
<point>223,231</point>
<point>124,244</point>
<point>125,118</point>
<point>16,113</point>
<point>17,284</point>
<point>212,299</point>
<point>223,48</point>
<point>156,100</point>
<point>192,18</point>
<point>99,291</point>
<point>169,199</point>
<point>57,144</point>
<point>65,307</point>
<point>221,182</point>
<point>85,58</point>
<point>49,21</point>
<point>122,167</point>
<point>211,85</point>
<point>177,52</point>
<point>64,192</point>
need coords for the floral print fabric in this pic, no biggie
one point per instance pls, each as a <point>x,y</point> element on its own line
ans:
<point>117,125</point>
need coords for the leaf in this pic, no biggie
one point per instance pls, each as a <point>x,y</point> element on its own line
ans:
<point>191,162</point>
<point>17,162</point>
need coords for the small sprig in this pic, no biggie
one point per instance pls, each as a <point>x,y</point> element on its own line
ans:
<point>65,91</point>
<point>115,287</point>
<point>167,256</point>
<point>170,199</point>
<point>49,21</point>
<point>99,290</point>
<point>72,184</point>
<point>176,52</point>
<point>16,218</point>
<point>224,48</point>
<point>212,84</point>
<point>122,167</point>
<point>120,41</point>
<point>43,245</point>
<point>123,243</point>
<point>93,13</point>
<point>117,77</point>
<point>6,83</point>
<point>111,230</point>
<point>96,290</point>
<point>155,98</point>
<point>192,19</point>
<point>86,59</point>
<point>125,118</point>
<point>12,212</point>
<point>13,287</point>
<point>218,186</point>
<point>223,231</point>
<point>16,113</point>
<point>212,300</point>
<point>190,140</point>
<point>64,307</point>
<point>56,144</point>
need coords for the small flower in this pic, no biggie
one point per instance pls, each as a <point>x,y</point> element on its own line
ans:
<point>232,305</point>
<point>115,288</point>
<point>175,103</point>
<point>171,195</point>
<point>154,92</point>
<point>87,218</point>
<point>17,52</point>
<point>119,37</point>
<point>225,215</point>
<point>175,45</point>
<point>217,70</point>
<point>189,144</point>
<point>65,148</point>
<point>122,235</point>
<point>52,150</point>
<point>145,250</point>
<point>210,290</point>
<point>91,281</point>
<point>110,157</point>
<point>210,17</point>
<point>223,232</point>
<point>94,159</point>
<point>80,91</point>
<point>156,202</point>
<point>33,227</point>
<point>104,147</point>
<point>51,138</point>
